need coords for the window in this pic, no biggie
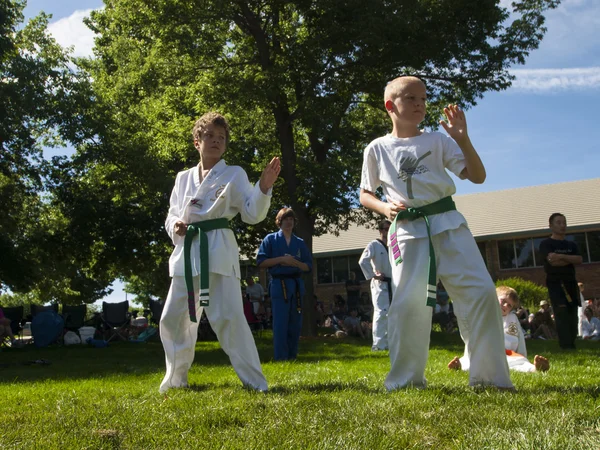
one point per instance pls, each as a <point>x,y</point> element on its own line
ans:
<point>340,269</point>
<point>539,260</point>
<point>481,247</point>
<point>593,238</point>
<point>506,254</point>
<point>354,267</point>
<point>524,249</point>
<point>324,271</point>
<point>521,253</point>
<point>579,239</point>
<point>337,269</point>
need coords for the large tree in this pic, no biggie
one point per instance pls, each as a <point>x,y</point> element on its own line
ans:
<point>300,79</point>
<point>41,100</point>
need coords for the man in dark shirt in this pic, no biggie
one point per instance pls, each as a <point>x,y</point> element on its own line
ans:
<point>559,256</point>
<point>353,291</point>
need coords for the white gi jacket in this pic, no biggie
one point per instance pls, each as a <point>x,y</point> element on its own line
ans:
<point>514,338</point>
<point>223,193</point>
<point>391,162</point>
<point>375,258</point>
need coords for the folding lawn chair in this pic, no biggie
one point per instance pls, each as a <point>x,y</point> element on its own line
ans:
<point>156,309</point>
<point>74,316</point>
<point>116,318</point>
<point>34,309</point>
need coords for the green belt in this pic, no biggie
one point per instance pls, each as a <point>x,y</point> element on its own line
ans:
<point>441,206</point>
<point>199,228</point>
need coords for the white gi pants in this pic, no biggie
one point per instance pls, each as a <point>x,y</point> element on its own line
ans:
<point>515,361</point>
<point>226,317</point>
<point>381,305</point>
<point>466,279</point>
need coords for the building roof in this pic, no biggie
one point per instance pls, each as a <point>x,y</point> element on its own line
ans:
<point>507,213</point>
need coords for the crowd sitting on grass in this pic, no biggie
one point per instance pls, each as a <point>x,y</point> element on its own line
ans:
<point>590,326</point>
<point>342,322</point>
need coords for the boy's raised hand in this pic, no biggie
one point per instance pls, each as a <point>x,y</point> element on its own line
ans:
<point>456,126</point>
<point>269,175</point>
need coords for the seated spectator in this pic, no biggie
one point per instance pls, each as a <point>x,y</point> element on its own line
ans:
<point>590,327</point>
<point>542,326</point>
<point>523,316</point>
<point>514,342</point>
<point>5,328</point>
<point>339,307</point>
<point>319,311</point>
<point>596,307</point>
<point>354,326</point>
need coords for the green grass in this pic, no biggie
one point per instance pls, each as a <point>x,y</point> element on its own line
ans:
<point>331,398</point>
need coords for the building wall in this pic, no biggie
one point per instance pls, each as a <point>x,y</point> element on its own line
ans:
<point>587,273</point>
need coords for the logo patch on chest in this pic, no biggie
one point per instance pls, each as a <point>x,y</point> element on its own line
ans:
<point>219,193</point>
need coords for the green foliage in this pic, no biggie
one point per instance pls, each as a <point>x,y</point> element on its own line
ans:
<point>530,293</point>
<point>302,80</point>
<point>42,104</point>
<point>332,397</point>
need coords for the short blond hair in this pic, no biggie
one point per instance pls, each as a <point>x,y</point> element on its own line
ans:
<point>510,293</point>
<point>213,118</point>
<point>394,87</point>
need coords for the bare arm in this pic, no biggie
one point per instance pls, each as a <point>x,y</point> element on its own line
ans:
<point>456,127</point>
<point>388,209</point>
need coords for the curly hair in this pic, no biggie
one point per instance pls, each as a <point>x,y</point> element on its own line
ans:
<point>210,118</point>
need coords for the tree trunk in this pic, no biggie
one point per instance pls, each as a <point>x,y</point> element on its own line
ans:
<point>305,231</point>
<point>305,227</point>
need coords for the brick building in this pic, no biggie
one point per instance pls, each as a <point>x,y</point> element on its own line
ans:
<point>508,227</point>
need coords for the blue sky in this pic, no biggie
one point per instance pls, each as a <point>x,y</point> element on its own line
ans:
<point>542,130</point>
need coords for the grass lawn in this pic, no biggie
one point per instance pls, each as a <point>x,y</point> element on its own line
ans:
<point>331,398</point>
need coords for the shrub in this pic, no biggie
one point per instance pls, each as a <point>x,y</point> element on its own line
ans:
<point>530,293</point>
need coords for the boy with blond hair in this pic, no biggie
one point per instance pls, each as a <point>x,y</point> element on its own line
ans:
<point>204,265</point>
<point>514,339</point>
<point>410,165</point>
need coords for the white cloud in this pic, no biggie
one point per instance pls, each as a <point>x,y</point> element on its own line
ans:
<point>572,36</point>
<point>71,31</point>
<point>556,80</point>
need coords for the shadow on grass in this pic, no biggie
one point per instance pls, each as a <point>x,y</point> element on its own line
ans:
<point>85,362</point>
<point>592,391</point>
<point>325,386</point>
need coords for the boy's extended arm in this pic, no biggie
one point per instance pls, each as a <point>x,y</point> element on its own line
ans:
<point>474,170</point>
<point>456,127</point>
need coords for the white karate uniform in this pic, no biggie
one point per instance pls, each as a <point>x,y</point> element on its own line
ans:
<point>412,171</point>
<point>514,342</point>
<point>223,193</point>
<point>374,259</point>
